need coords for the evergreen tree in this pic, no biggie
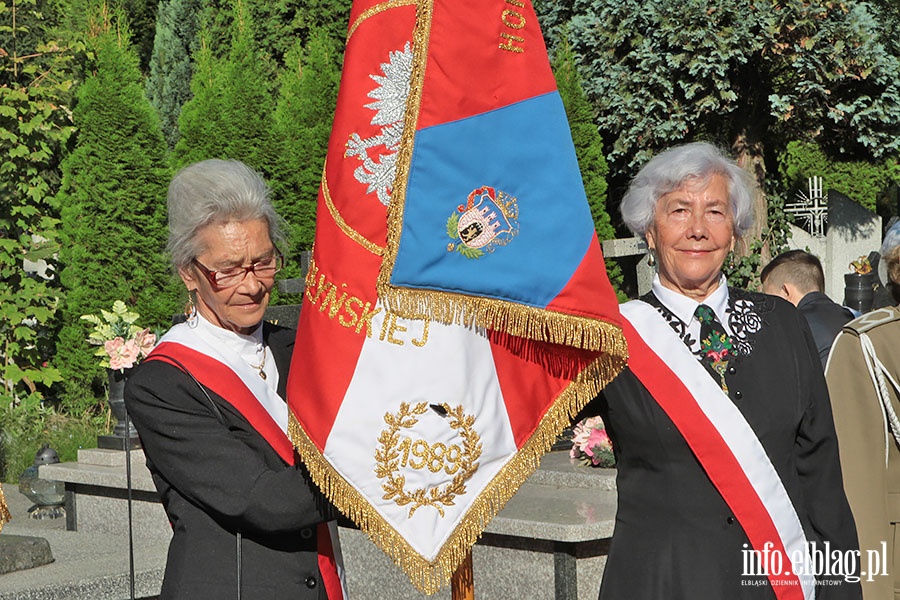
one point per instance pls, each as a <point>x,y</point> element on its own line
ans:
<point>230,115</point>
<point>306,103</point>
<point>747,75</point>
<point>35,79</point>
<point>588,148</point>
<point>328,18</point>
<point>281,23</point>
<point>113,208</point>
<point>141,17</point>
<point>198,135</point>
<point>247,99</point>
<point>169,83</point>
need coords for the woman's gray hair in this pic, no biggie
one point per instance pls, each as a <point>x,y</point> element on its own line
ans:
<point>670,170</point>
<point>215,191</point>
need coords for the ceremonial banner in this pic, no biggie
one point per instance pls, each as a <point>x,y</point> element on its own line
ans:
<point>457,311</point>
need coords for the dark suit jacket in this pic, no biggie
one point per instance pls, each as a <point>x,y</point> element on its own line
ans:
<point>825,318</point>
<point>216,479</point>
<point>675,537</point>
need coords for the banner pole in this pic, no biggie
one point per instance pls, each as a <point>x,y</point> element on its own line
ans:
<point>463,583</point>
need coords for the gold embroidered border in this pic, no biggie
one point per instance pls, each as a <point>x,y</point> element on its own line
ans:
<point>341,223</point>
<point>371,12</point>
<point>430,576</point>
<point>421,33</point>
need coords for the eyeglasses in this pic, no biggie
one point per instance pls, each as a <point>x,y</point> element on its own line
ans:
<point>232,276</point>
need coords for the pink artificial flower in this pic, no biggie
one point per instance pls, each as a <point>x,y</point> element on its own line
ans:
<point>145,341</point>
<point>122,354</point>
<point>598,440</point>
<point>580,434</point>
<point>112,346</point>
<point>587,434</point>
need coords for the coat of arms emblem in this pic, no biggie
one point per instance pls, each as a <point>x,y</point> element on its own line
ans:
<point>487,220</point>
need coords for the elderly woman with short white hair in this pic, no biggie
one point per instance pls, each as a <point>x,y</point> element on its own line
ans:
<point>209,405</point>
<point>728,474</point>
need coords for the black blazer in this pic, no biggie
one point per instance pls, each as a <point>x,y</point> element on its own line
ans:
<point>219,478</point>
<point>675,537</point>
<point>826,318</point>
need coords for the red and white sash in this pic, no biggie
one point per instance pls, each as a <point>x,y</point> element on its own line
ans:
<point>723,442</point>
<point>238,384</point>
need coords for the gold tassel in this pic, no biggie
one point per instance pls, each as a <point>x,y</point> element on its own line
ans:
<point>5,517</point>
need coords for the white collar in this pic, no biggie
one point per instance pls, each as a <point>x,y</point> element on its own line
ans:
<point>251,348</point>
<point>684,307</point>
<point>235,341</point>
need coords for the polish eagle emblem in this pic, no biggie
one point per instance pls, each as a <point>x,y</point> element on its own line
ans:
<point>378,153</point>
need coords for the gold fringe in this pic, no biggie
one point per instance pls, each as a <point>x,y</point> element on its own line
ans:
<point>588,333</point>
<point>5,517</point>
<point>430,576</point>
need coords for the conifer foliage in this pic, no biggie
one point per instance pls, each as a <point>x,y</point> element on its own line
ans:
<point>169,83</point>
<point>306,101</point>
<point>230,114</point>
<point>113,207</point>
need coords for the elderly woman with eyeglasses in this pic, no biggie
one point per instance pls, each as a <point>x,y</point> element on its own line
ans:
<point>729,484</point>
<point>209,405</point>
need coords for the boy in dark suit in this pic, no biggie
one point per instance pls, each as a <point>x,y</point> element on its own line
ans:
<point>797,276</point>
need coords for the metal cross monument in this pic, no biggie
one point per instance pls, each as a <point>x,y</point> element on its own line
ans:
<point>812,208</point>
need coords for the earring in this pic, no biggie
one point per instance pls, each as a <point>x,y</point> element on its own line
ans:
<point>190,309</point>
<point>651,257</point>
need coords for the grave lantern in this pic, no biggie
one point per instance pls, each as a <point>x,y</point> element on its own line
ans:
<point>48,495</point>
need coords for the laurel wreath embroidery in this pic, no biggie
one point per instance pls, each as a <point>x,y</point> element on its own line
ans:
<point>387,458</point>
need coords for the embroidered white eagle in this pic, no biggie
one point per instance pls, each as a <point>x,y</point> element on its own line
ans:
<point>377,172</point>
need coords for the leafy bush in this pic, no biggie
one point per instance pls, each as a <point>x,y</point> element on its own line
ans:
<point>35,126</point>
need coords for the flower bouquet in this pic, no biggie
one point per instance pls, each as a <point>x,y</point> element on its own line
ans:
<point>591,445</point>
<point>123,344</point>
<point>861,266</point>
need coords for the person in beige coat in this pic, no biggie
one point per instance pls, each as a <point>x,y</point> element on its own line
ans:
<point>863,373</point>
